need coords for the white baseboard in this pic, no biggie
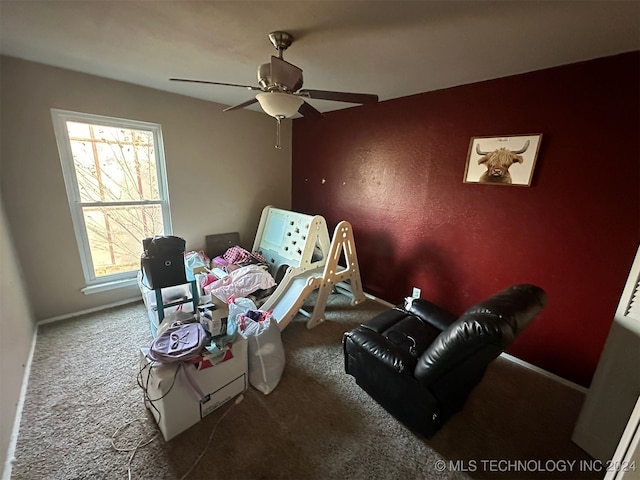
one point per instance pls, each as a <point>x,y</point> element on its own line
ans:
<point>345,289</point>
<point>90,310</point>
<point>544,372</point>
<point>13,441</point>
<point>379,300</point>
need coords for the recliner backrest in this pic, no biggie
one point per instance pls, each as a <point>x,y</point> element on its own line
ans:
<point>468,345</point>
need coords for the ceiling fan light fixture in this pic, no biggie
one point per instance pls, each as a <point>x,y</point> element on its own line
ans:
<point>278,104</point>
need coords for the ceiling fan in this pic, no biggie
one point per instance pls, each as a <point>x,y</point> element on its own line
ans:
<point>280,86</point>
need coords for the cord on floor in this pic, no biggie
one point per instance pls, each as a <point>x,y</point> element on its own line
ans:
<point>239,399</point>
<point>140,444</point>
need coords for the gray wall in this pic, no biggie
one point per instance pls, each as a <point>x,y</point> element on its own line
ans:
<point>16,333</point>
<point>222,170</point>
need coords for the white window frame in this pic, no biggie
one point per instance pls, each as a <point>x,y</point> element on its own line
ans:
<point>60,119</point>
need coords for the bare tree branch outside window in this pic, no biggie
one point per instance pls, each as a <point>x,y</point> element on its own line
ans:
<point>116,167</point>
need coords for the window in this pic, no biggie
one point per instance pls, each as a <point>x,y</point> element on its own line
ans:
<point>115,176</point>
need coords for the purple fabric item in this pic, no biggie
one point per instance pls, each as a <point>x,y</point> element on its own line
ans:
<point>177,343</point>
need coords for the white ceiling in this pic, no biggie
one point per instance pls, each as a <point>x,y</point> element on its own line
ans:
<point>393,48</point>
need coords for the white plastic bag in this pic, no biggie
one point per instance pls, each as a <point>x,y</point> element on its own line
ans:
<point>239,306</point>
<point>266,353</point>
<point>197,262</point>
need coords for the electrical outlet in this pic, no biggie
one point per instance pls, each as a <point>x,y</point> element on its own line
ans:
<point>416,292</point>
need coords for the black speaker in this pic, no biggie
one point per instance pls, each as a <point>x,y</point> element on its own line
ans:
<point>162,262</point>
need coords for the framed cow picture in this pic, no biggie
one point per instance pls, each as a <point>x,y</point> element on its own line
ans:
<point>507,160</point>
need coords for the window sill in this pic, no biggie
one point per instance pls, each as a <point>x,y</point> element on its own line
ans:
<point>106,286</point>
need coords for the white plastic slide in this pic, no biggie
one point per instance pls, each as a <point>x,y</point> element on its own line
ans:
<point>293,298</point>
<point>300,243</point>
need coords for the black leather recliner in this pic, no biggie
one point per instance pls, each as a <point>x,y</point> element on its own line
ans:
<point>421,362</point>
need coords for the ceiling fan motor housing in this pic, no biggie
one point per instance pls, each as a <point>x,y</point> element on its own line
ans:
<point>280,76</point>
<point>264,75</point>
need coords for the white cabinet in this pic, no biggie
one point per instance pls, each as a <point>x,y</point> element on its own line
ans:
<point>616,383</point>
<point>625,464</point>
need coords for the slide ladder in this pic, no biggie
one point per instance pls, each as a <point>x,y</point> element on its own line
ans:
<point>297,249</point>
<point>335,275</point>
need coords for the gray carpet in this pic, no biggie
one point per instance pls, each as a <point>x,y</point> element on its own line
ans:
<point>317,424</point>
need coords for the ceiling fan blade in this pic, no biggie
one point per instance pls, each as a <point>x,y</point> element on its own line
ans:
<point>285,74</point>
<point>248,87</point>
<point>340,96</point>
<point>241,105</point>
<point>308,110</point>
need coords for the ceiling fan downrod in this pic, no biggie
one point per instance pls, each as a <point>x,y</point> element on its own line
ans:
<point>278,120</point>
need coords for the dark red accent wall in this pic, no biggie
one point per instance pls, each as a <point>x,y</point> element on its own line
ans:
<point>395,170</point>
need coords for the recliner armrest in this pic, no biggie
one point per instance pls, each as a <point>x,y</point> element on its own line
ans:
<point>429,313</point>
<point>380,349</point>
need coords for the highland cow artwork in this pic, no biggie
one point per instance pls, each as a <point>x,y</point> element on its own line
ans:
<point>508,160</point>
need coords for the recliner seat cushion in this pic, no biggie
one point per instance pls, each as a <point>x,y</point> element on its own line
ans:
<point>396,338</point>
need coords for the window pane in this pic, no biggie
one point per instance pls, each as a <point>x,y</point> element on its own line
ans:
<point>115,235</point>
<point>113,164</point>
<point>119,162</point>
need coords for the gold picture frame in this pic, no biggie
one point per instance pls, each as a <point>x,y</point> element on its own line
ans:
<point>508,160</point>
